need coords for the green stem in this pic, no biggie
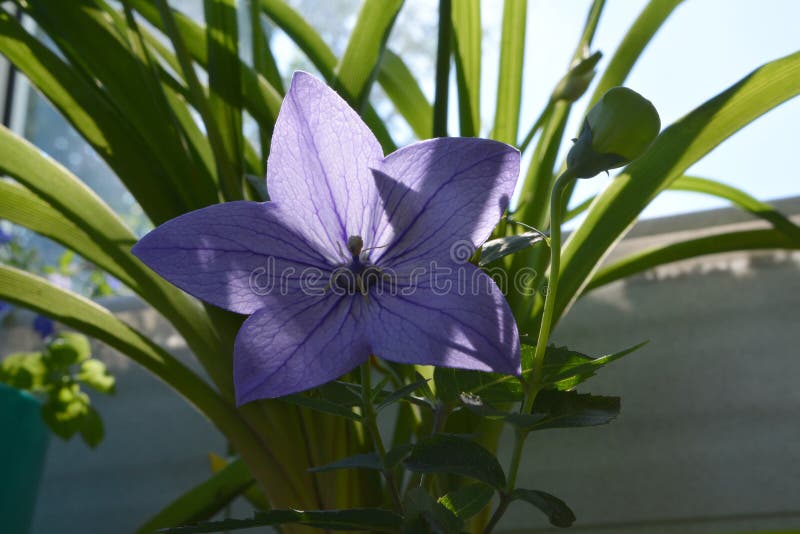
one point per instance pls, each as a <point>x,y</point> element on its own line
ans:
<point>371,425</point>
<point>533,385</point>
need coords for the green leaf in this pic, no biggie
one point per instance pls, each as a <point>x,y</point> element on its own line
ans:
<point>405,93</point>
<point>98,227</point>
<point>497,388</point>
<point>741,199</point>
<point>24,370</point>
<point>86,34</point>
<point>633,44</point>
<point>564,369</point>
<point>25,289</point>
<point>309,41</point>
<point>203,500</point>
<point>358,66</point>
<point>691,248</point>
<point>443,50</point>
<point>317,403</point>
<point>225,93</point>
<point>65,410</point>
<point>89,112</point>
<point>567,409</point>
<point>369,460</point>
<point>554,508</point>
<point>503,246</point>
<point>443,453</point>
<point>467,501</point>
<point>370,519</point>
<point>677,148</point>
<point>424,514</point>
<point>401,393</point>
<point>68,348</point>
<point>509,76</point>
<point>94,374</point>
<point>467,36</point>
<point>92,430</point>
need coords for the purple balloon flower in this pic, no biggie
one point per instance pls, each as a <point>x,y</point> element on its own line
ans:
<point>356,253</point>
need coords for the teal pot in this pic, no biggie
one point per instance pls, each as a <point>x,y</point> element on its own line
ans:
<point>23,444</point>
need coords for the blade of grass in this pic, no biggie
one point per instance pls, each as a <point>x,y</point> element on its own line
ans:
<point>713,244</point>
<point>225,93</point>
<point>443,49</point>
<point>509,76</point>
<point>403,90</point>
<point>93,117</point>
<point>467,36</point>
<point>358,67</point>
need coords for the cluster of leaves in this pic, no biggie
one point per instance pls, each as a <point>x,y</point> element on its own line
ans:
<point>57,374</point>
<point>448,506</point>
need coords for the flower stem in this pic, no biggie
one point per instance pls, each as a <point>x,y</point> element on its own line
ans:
<point>371,425</point>
<point>533,385</point>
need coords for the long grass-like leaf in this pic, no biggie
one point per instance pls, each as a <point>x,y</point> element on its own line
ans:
<point>633,44</point>
<point>93,117</point>
<point>403,90</point>
<point>225,93</point>
<point>204,500</point>
<point>712,244</point>
<point>509,76</point>
<point>678,147</point>
<point>358,66</point>
<point>89,38</point>
<point>443,50</point>
<point>467,36</point>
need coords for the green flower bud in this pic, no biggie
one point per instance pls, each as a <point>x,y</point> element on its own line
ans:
<point>577,80</point>
<point>617,130</point>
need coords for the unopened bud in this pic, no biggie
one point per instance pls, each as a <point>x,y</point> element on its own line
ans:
<point>577,80</point>
<point>617,130</point>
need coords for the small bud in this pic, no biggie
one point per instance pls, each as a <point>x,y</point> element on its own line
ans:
<point>617,130</point>
<point>577,80</point>
<point>355,244</point>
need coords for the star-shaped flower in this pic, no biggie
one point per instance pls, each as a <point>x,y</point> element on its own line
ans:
<point>354,255</point>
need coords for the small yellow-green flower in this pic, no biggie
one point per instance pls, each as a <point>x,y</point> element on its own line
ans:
<point>617,130</point>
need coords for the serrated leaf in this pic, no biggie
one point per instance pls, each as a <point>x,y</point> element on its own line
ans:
<point>368,460</point>
<point>556,510</point>
<point>503,246</point>
<point>369,519</point>
<point>444,453</point>
<point>24,370</point>
<point>467,501</point>
<point>566,409</point>
<point>494,388</point>
<point>91,428</point>
<point>68,348</point>
<point>94,374</point>
<point>564,369</point>
<point>423,513</point>
<point>323,405</point>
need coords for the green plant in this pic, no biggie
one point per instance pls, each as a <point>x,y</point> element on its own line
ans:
<point>134,99</point>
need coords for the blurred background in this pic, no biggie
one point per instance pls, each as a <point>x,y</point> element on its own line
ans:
<point>707,439</point>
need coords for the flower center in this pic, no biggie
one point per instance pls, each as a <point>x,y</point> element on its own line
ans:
<point>359,275</point>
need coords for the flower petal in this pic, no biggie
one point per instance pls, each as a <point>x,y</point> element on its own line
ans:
<point>232,255</point>
<point>298,343</point>
<point>319,164</point>
<point>452,318</point>
<point>439,192</point>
